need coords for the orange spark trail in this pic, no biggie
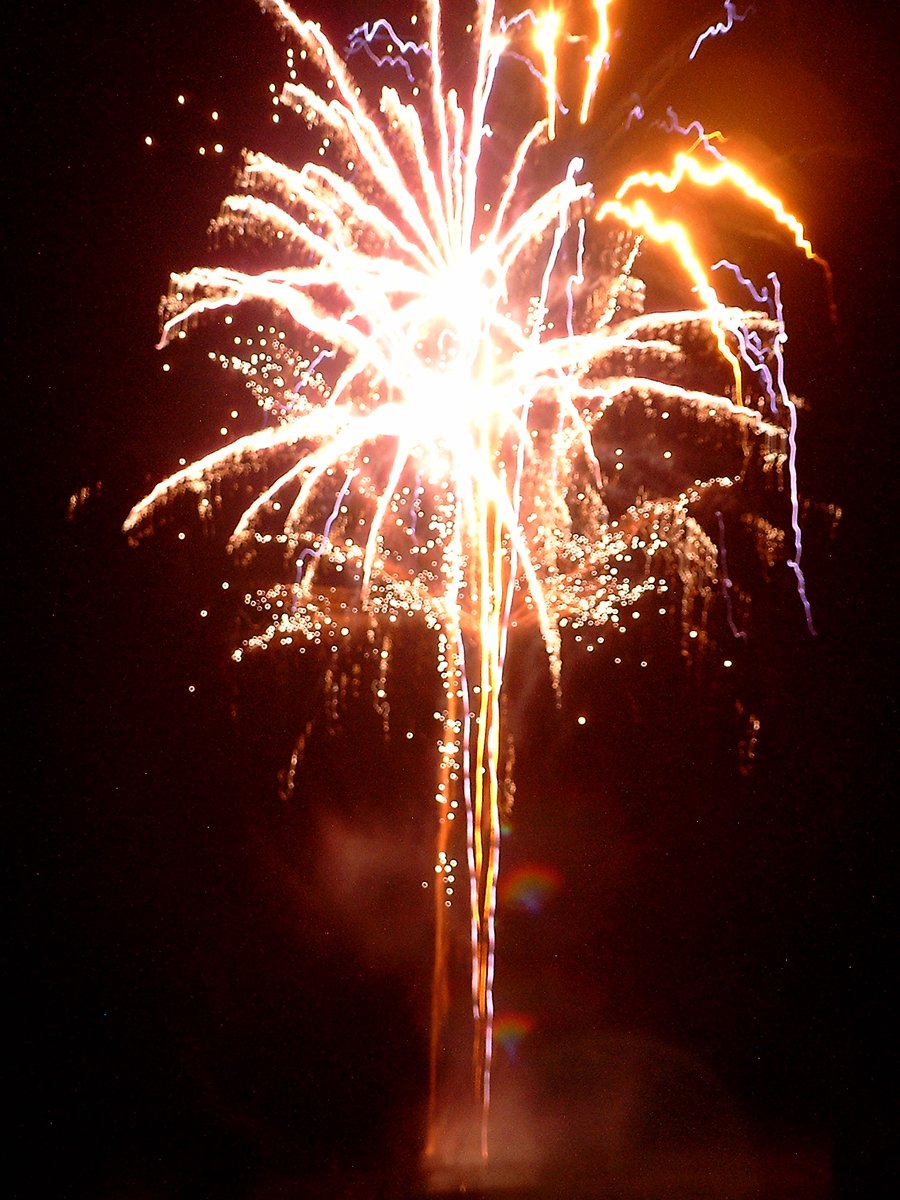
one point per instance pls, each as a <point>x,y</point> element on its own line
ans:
<point>598,57</point>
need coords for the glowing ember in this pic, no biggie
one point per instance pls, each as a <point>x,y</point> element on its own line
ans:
<point>450,343</point>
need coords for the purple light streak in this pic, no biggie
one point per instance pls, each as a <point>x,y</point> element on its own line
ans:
<point>673,125</point>
<point>754,355</point>
<point>326,535</point>
<point>418,492</point>
<point>576,277</point>
<point>363,37</point>
<point>731,18</point>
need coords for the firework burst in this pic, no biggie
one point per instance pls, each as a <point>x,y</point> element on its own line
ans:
<point>449,342</point>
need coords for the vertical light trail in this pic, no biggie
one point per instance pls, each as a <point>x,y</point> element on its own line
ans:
<point>598,59</point>
<point>546,36</point>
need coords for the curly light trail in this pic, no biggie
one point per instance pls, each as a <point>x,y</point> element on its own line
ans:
<point>731,17</point>
<point>687,167</point>
<point>365,37</point>
<point>439,404</point>
<point>755,356</point>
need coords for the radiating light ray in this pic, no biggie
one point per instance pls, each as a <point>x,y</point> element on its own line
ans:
<point>460,337</point>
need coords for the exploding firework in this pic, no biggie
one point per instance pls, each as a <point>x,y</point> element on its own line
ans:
<point>451,352</point>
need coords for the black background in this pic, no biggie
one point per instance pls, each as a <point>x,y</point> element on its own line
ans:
<point>225,994</point>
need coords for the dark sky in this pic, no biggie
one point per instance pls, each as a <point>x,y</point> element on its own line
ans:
<point>225,994</point>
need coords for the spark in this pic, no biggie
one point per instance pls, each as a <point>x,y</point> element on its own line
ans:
<point>452,341</point>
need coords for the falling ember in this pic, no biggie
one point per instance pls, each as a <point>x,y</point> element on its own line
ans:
<point>452,346</point>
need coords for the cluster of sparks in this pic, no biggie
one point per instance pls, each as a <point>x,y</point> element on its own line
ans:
<point>447,339</point>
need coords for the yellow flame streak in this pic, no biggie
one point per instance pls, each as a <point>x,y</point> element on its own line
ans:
<point>640,217</point>
<point>449,765</point>
<point>546,35</point>
<point>598,57</point>
<point>713,176</point>
<point>493,595</point>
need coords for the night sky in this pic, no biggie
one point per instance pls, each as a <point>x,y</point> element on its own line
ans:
<point>224,993</point>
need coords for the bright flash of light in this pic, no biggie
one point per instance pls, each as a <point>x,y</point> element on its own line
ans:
<point>449,337</point>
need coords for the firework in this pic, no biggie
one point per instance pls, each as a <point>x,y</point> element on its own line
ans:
<point>449,343</point>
